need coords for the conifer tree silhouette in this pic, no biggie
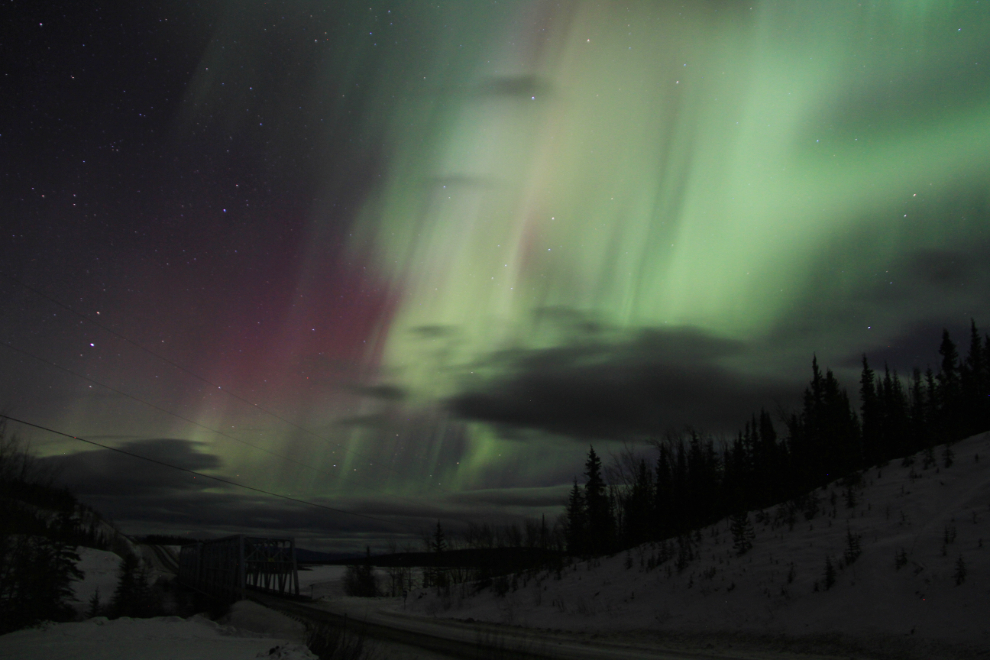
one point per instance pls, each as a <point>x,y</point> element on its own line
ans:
<point>600,521</point>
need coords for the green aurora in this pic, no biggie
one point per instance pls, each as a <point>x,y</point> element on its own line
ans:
<point>563,196</point>
<point>644,165</point>
<point>622,166</point>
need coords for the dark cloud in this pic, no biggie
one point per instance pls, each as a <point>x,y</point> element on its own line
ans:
<point>130,489</point>
<point>145,497</point>
<point>889,295</point>
<point>941,269</point>
<point>384,392</point>
<point>111,474</point>
<point>657,379</point>
<point>916,346</point>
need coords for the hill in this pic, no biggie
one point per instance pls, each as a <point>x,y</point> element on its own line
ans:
<point>908,544</point>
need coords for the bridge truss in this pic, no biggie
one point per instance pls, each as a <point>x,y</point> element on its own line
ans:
<point>226,567</point>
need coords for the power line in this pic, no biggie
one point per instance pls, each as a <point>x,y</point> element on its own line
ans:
<point>187,371</point>
<point>201,474</point>
<point>159,408</point>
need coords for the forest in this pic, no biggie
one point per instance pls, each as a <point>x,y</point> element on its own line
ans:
<point>778,458</point>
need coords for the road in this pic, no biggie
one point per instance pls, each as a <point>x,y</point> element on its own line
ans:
<point>162,558</point>
<point>459,639</point>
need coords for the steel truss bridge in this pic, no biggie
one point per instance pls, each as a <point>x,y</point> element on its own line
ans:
<point>227,567</point>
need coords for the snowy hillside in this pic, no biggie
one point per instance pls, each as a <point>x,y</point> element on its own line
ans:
<point>100,572</point>
<point>909,548</point>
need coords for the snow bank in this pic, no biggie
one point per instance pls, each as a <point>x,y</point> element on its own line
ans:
<point>162,638</point>
<point>248,616</point>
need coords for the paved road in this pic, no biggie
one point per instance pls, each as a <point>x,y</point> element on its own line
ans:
<point>162,558</point>
<point>457,639</point>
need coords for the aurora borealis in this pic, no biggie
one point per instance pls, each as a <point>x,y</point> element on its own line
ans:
<point>434,249</point>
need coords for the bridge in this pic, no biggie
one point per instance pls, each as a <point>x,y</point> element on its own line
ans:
<point>227,567</point>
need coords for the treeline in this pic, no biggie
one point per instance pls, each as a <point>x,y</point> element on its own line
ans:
<point>482,554</point>
<point>40,529</point>
<point>164,539</point>
<point>485,553</point>
<point>696,481</point>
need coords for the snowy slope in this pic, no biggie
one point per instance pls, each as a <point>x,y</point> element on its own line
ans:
<point>935,515</point>
<point>100,571</point>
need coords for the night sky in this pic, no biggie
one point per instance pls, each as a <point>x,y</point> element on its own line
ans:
<point>408,259</point>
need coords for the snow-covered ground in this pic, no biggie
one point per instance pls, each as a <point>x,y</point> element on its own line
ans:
<point>249,631</point>
<point>162,638</point>
<point>100,571</point>
<point>938,517</point>
<point>919,587</point>
<point>322,581</point>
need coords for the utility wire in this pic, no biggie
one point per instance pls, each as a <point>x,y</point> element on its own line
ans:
<point>185,370</point>
<point>205,476</point>
<point>167,412</point>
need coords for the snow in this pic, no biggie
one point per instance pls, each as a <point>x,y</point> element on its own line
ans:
<point>248,631</point>
<point>162,638</point>
<point>248,616</point>
<point>934,516</point>
<point>100,571</point>
<point>321,581</point>
<point>872,604</point>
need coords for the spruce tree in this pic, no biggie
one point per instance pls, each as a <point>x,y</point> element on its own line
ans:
<point>984,409</point>
<point>975,385</point>
<point>359,579</point>
<point>959,575</point>
<point>895,417</point>
<point>853,546</point>
<point>678,497</point>
<point>601,524</point>
<point>440,547</point>
<point>825,437</point>
<point>701,483</point>
<point>742,533</point>
<point>94,605</point>
<point>948,391</point>
<point>869,414</point>
<point>829,573</point>
<point>575,531</point>
<point>932,409</point>
<point>64,561</point>
<point>662,502</point>
<point>130,588</point>
<point>773,464</point>
<point>917,414</point>
<point>735,476</point>
<point>439,541</point>
<point>636,507</point>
